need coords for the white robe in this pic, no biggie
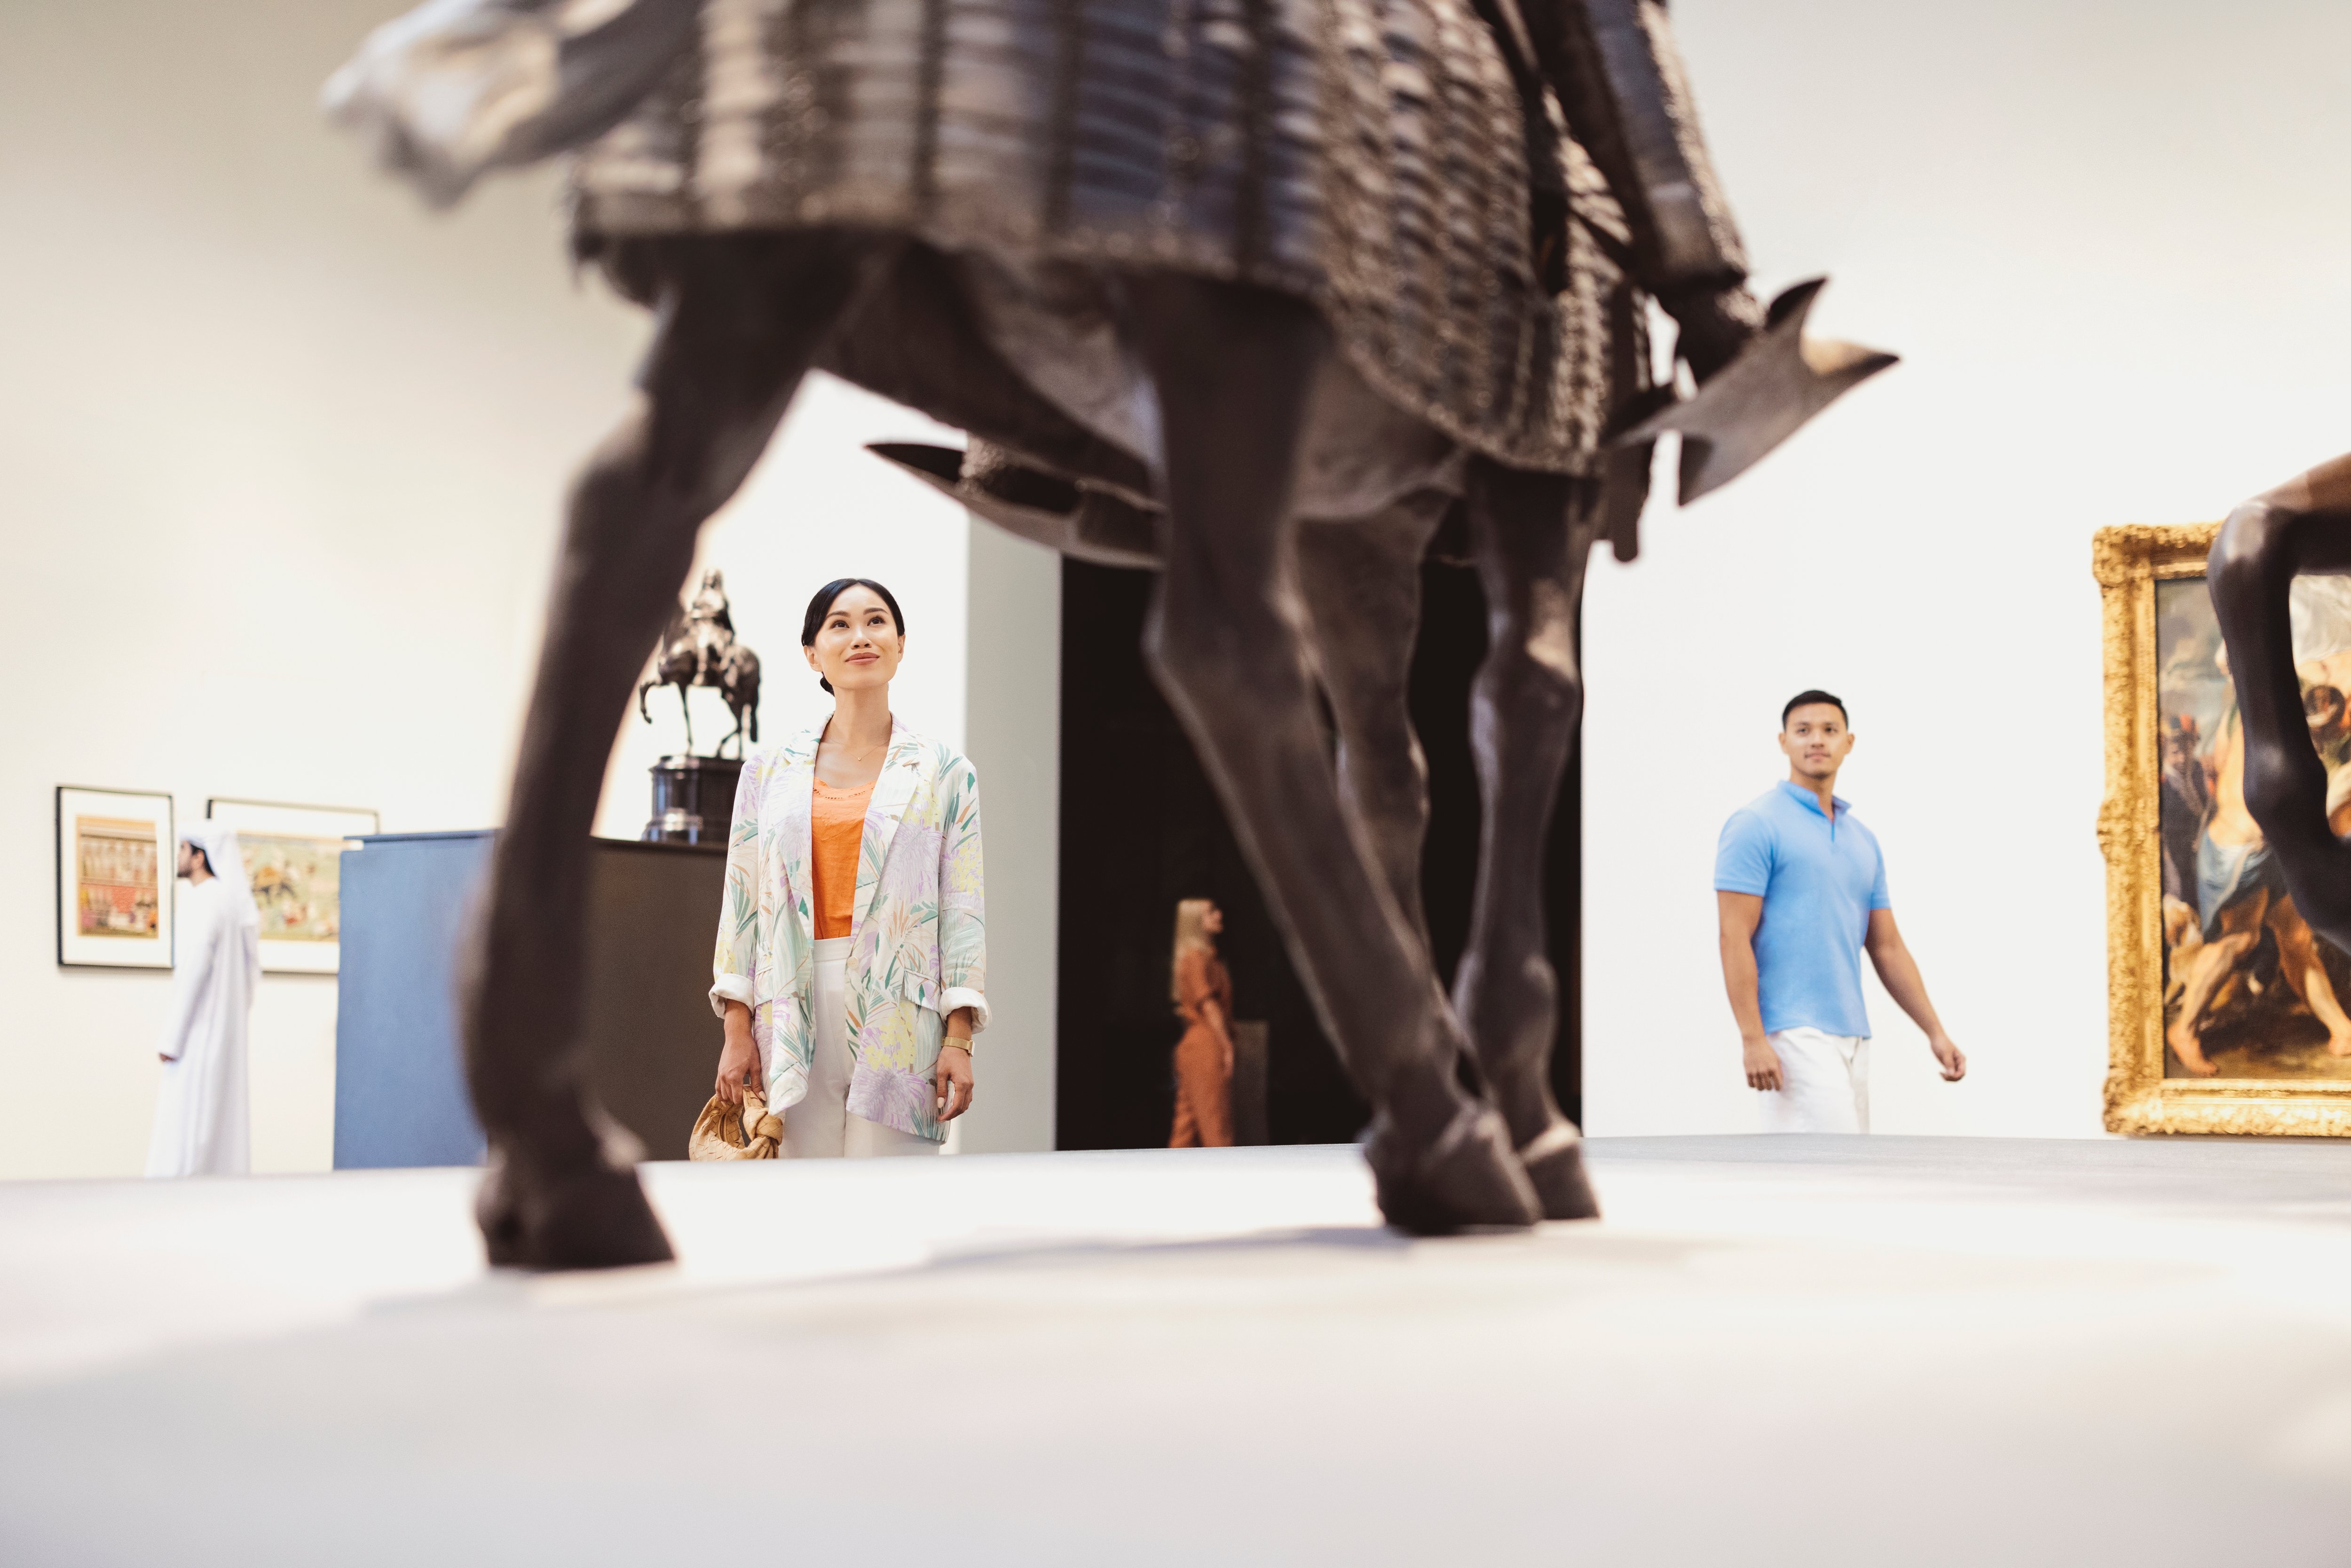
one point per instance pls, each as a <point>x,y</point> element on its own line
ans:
<point>202,1118</point>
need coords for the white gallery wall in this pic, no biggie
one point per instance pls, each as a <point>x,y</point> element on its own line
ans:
<point>283,457</point>
<point>2110,240</point>
<point>1013,735</point>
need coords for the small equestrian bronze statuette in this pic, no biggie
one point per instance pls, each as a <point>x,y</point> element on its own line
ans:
<point>694,796</point>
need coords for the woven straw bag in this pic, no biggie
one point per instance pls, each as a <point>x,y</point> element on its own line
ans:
<point>724,1132</point>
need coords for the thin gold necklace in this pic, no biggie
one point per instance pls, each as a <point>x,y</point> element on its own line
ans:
<point>862,755</point>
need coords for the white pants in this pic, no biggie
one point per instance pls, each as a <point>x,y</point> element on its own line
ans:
<point>1827,1083</point>
<point>820,1126</point>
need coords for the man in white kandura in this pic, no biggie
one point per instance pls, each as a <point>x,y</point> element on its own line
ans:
<point>202,1116</point>
<point>1800,890</point>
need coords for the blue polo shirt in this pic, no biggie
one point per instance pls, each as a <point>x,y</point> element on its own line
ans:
<point>1819,880</point>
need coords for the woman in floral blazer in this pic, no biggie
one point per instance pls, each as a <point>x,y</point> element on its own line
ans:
<point>914,952</point>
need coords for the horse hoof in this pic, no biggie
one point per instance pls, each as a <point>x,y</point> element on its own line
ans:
<point>592,1219</point>
<point>1469,1176</point>
<point>1553,1162</point>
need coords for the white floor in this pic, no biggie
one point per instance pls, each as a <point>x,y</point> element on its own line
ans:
<point>1802,1351</point>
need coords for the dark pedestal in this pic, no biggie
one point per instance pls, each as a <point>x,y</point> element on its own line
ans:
<point>693,799</point>
<point>653,1044</point>
<point>1248,1082</point>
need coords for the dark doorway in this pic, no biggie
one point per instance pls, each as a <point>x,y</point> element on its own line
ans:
<point>1140,828</point>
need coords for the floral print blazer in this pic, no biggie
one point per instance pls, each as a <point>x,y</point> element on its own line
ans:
<point>917,937</point>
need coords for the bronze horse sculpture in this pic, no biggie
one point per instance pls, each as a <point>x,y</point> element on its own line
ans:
<point>1271,272</point>
<point>699,648</point>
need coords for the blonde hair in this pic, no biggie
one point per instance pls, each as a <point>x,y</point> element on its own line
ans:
<point>1190,935</point>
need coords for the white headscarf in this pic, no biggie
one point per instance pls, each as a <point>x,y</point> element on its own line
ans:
<point>227,857</point>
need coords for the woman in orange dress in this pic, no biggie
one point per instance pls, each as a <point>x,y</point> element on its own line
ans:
<point>1204,1057</point>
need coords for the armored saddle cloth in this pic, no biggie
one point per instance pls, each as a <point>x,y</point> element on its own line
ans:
<point>1368,155</point>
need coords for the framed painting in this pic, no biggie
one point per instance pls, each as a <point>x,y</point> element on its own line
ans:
<point>2226,1013</point>
<point>293,857</point>
<point>115,867</point>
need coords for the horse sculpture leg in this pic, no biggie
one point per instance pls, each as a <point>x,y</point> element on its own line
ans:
<point>1233,369</point>
<point>1533,533</point>
<point>740,320</point>
<point>1362,587</point>
<point>2302,526</point>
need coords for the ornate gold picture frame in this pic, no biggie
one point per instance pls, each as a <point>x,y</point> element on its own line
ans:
<point>2293,1087</point>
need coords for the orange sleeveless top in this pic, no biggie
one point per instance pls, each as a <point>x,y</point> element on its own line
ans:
<point>837,828</point>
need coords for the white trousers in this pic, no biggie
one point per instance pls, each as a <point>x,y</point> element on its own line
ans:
<point>1827,1083</point>
<point>821,1127</point>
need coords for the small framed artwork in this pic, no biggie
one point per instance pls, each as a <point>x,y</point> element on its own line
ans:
<point>294,858</point>
<point>2226,1013</point>
<point>115,865</point>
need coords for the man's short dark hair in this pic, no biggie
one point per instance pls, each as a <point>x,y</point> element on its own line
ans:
<point>1806,699</point>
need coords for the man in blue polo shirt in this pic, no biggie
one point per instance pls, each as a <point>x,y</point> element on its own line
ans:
<point>1799,888</point>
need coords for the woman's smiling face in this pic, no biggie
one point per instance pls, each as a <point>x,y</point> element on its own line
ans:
<point>859,645</point>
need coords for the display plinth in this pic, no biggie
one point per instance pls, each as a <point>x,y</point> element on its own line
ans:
<point>653,1045</point>
<point>693,799</point>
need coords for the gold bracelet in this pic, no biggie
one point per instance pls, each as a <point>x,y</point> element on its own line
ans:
<point>962,1040</point>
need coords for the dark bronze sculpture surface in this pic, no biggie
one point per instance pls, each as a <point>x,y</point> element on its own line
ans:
<point>1363,271</point>
<point>2303,526</point>
<point>699,648</point>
